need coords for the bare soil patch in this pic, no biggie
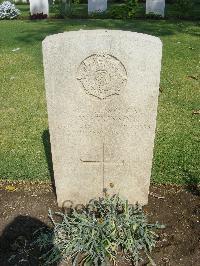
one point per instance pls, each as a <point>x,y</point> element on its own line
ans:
<point>24,209</point>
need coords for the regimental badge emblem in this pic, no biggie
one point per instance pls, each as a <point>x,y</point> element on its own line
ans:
<point>102,75</point>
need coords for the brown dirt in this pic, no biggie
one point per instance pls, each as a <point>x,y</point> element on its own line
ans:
<point>25,209</point>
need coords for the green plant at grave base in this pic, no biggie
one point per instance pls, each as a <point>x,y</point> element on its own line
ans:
<point>118,12</point>
<point>123,11</point>
<point>96,234</point>
<point>153,16</point>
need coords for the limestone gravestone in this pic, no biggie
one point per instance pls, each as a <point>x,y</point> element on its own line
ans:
<point>39,7</point>
<point>97,6</point>
<point>155,7</point>
<point>102,92</point>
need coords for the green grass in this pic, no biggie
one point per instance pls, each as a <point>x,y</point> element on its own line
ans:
<point>23,115</point>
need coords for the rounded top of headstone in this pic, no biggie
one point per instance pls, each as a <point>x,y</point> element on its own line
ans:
<point>103,32</point>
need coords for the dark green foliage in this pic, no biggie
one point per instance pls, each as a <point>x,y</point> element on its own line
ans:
<point>117,11</point>
<point>98,233</point>
<point>62,8</point>
<point>183,6</point>
<point>131,6</point>
<point>123,11</point>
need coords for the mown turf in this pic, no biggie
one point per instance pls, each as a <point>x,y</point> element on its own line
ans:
<point>24,148</point>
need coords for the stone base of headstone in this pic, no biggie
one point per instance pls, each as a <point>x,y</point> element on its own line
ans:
<point>156,7</point>
<point>97,6</point>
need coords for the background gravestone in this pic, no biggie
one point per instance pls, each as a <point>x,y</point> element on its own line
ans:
<point>97,6</point>
<point>102,92</point>
<point>155,7</point>
<point>39,6</point>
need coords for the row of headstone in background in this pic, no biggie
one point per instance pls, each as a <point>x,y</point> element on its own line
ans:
<point>42,6</point>
<point>156,7</point>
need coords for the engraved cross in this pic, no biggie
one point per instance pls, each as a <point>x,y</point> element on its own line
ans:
<point>103,163</point>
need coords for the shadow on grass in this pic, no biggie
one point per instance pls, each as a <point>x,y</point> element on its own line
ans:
<point>191,183</point>
<point>38,30</point>
<point>16,242</point>
<point>47,149</point>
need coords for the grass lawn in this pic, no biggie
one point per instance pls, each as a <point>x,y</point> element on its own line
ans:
<point>24,147</point>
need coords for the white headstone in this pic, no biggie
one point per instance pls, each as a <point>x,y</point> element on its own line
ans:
<point>97,6</point>
<point>102,92</point>
<point>156,7</point>
<point>39,6</point>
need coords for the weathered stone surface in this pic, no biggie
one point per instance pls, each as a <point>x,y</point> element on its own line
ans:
<point>39,6</point>
<point>102,75</point>
<point>97,6</point>
<point>102,91</point>
<point>155,7</point>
